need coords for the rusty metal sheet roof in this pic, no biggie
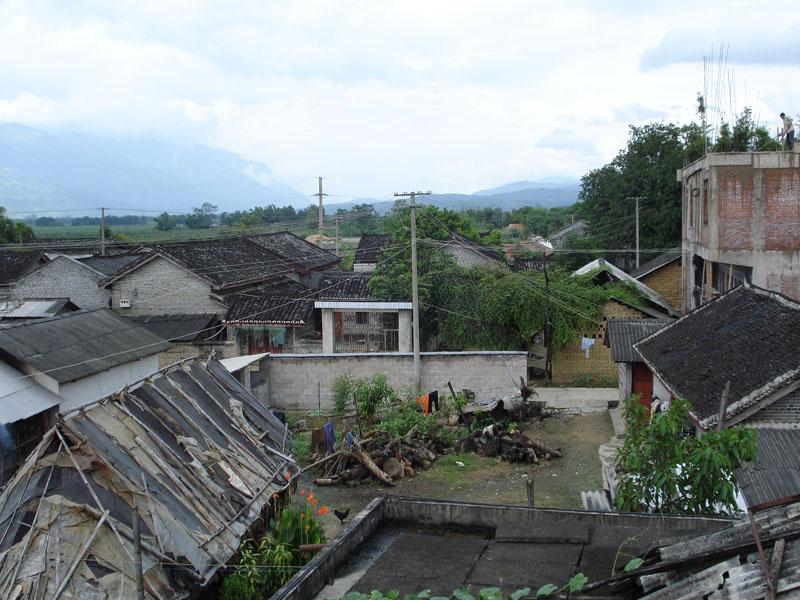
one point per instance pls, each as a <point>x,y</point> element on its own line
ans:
<point>189,452</point>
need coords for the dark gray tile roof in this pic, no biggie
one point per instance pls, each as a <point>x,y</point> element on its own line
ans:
<point>775,473</point>
<point>305,255</point>
<point>191,453</point>
<point>181,328</point>
<point>78,344</point>
<point>622,334</point>
<point>109,264</point>
<point>371,247</point>
<point>529,264</point>
<point>14,264</point>
<point>341,285</point>
<point>749,336</point>
<point>659,261</point>
<point>269,310</point>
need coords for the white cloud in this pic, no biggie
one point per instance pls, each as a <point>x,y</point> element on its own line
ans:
<point>375,95</point>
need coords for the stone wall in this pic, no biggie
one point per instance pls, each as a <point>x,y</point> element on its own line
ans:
<point>570,363</point>
<point>292,378</point>
<point>162,288</point>
<point>63,278</point>
<point>667,281</point>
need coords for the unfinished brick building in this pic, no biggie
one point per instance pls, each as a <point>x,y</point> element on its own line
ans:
<point>741,218</point>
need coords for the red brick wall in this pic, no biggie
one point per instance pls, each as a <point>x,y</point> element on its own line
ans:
<point>782,208</point>
<point>735,204</point>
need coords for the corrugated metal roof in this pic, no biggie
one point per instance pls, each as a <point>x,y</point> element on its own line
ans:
<point>775,473</point>
<point>622,334</point>
<point>239,362</point>
<point>79,344</point>
<point>21,397</point>
<point>31,309</point>
<point>363,306</point>
<point>191,453</point>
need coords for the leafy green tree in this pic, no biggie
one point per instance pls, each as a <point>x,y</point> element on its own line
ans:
<point>664,467</point>
<point>164,222</point>
<point>576,252</point>
<point>202,218</point>
<point>14,232</point>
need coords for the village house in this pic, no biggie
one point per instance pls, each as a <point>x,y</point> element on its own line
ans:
<point>470,254</point>
<point>195,277</point>
<point>664,275</point>
<point>73,278</point>
<point>740,224</point>
<point>370,251</point>
<point>16,264</point>
<point>56,364</point>
<point>587,360</point>
<point>576,229</point>
<point>187,453</point>
<point>189,335</point>
<point>634,375</point>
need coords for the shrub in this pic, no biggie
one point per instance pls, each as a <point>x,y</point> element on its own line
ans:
<point>342,391</point>
<point>370,394</point>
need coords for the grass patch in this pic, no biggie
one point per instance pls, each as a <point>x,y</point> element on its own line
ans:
<point>452,474</point>
<point>301,446</point>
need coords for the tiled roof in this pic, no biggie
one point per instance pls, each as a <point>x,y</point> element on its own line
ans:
<point>79,344</point>
<point>269,310</point>
<point>189,453</point>
<point>602,268</point>
<point>775,473</point>
<point>14,265</point>
<point>341,285</point>
<point>181,328</point>
<point>108,264</point>
<point>529,264</point>
<point>622,334</point>
<point>305,255</point>
<point>749,337</point>
<point>371,247</point>
<point>659,261</point>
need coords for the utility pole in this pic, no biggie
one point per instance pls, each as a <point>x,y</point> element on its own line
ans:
<point>548,341</point>
<point>321,211</point>
<point>637,198</point>
<point>414,282</point>
<point>102,231</point>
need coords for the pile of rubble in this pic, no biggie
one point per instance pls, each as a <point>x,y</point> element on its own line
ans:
<point>495,440</point>
<point>380,455</point>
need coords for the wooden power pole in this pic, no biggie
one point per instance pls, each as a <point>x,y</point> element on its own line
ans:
<point>637,198</point>
<point>414,282</point>
<point>102,231</point>
<point>321,210</point>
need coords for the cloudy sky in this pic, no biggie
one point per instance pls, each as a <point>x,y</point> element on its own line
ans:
<point>377,95</point>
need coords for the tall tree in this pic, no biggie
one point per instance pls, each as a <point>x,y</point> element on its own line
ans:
<point>14,232</point>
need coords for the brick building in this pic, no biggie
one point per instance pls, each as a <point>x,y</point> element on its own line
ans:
<point>740,223</point>
<point>664,275</point>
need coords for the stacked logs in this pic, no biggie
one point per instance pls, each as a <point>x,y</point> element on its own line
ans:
<point>512,447</point>
<point>382,456</point>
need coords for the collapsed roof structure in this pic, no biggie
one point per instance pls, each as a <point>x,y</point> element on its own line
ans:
<point>189,453</point>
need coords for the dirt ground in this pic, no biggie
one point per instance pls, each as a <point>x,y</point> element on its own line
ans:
<point>557,483</point>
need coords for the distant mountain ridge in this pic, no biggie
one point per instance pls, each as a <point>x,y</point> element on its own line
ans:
<point>40,172</point>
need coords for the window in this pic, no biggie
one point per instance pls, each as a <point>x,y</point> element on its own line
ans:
<point>705,201</point>
<point>362,318</point>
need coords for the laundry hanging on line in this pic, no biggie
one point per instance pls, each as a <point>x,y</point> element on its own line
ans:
<point>586,343</point>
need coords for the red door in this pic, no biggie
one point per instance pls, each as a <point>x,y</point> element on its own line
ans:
<point>643,384</point>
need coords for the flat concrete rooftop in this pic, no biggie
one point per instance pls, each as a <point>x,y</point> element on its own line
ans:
<point>412,545</point>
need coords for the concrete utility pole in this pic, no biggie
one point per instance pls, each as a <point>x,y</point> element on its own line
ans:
<point>321,211</point>
<point>414,282</point>
<point>102,231</point>
<point>637,198</point>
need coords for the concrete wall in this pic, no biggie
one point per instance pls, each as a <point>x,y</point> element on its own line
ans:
<point>570,363</point>
<point>99,385</point>
<point>667,281</point>
<point>63,278</point>
<point>293,378</point>
<point>160,288</point>
<point>741,209</point>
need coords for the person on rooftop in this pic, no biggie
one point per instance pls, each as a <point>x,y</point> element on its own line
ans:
<point>787,135</point>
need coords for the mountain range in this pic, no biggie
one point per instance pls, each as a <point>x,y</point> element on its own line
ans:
<point>45,172</point>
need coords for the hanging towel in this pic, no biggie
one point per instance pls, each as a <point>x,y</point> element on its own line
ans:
<point>586,343</point>
<point>424,402</point>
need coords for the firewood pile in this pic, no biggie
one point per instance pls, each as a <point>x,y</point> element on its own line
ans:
<point>380,455</point>
<point>517,447</point>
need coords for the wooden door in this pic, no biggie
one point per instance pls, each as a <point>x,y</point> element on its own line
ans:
<point>643,384</point>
